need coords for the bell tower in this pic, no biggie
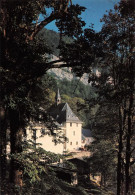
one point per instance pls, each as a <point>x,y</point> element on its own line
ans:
<point>58,98</point>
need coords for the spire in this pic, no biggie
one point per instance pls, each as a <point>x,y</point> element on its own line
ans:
<point>58,98</point>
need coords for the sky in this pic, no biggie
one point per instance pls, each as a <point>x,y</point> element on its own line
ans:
<point>95,9</point>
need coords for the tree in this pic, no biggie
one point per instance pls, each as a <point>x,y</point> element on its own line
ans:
<point>104,146</point>
<point>22,63</point>
<point>119,47</point>
<point>115,84</point>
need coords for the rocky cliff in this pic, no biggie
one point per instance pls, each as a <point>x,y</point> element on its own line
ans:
<point>66,73</point>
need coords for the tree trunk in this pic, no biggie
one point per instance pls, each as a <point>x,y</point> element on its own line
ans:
<point>3,142</point>
<point>119,164</point>
<point>16,135</point>
<point>129,126</point>
<point>128,148</point>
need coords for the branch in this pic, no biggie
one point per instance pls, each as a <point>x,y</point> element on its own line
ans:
<point>67,5</point>
<point>53,16</point>
<point>57,64</point>
<point>54,62</point>
<point>39,27</point>
<point>48,66</point>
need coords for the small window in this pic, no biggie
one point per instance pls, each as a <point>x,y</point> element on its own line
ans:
<point>77,124</point>
<point>34,136</point>
<point>73,132</point>
<point>43,131</point>
<point>70,124</point>
<point>76,143</point>
<point>70,143</point>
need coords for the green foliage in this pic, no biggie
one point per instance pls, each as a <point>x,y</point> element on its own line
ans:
<point>71,20</point>
<point>22,66</point>
<point>52,40</point>
<point>75,88</point>
<point>42,93</point>
<point>33,161</point>
<point>113,133</point>
<point>104,146</point>
<point>38,175</point>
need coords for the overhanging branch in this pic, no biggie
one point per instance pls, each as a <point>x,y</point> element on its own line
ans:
<point>55,64</point>
<point>62,65</point>
<point>54,15</point>
<point>39,27</point>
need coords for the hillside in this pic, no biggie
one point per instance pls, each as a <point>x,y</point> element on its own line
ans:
<point>52,38</point>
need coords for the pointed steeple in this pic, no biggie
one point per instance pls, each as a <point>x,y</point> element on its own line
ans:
<point>58,98</point>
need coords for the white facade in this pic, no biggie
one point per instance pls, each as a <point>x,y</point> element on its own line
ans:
<point>71,130</point>
<point>73,133</point>
<point>44,139</point>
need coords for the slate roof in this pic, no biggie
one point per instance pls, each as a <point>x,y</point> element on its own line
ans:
<point>86,133</point>
<point>63,113</point>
